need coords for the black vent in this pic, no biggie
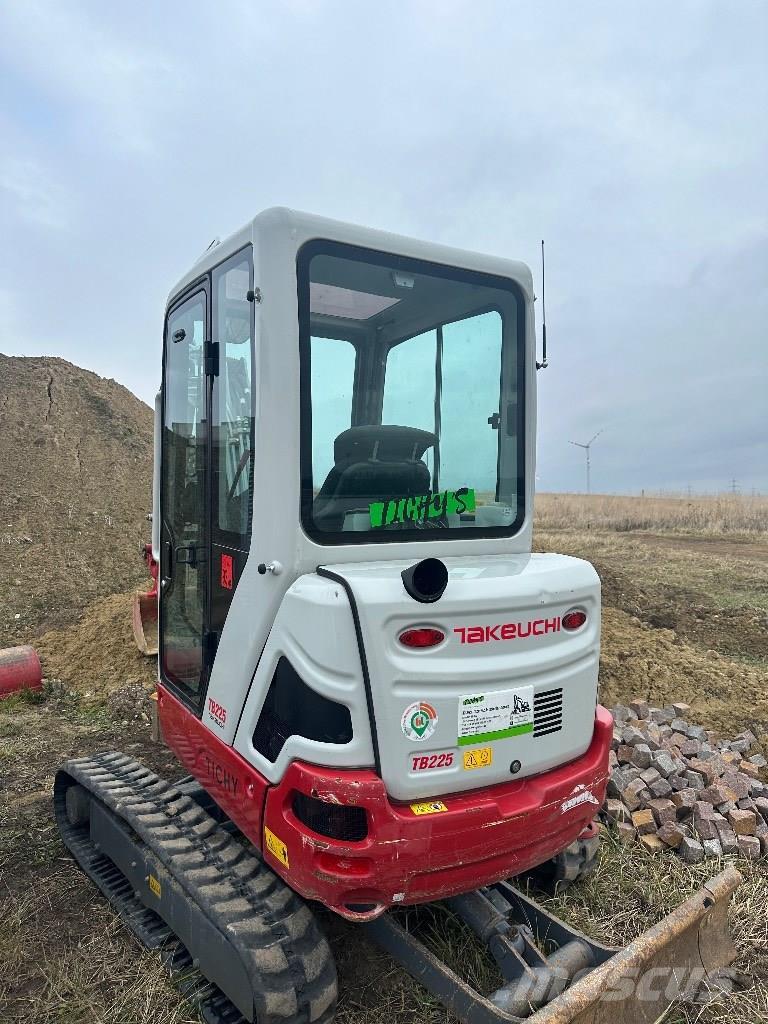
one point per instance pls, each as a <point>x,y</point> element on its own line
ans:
<point>293,709</point>
<point>349,824</point>
<point>548,712</point>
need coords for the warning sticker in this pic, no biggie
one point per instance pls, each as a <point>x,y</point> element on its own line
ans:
<point>276,846</point>
<point>155,886</point>
<point>482,757</point>
<point>495,716</point>
<point>431,807</point>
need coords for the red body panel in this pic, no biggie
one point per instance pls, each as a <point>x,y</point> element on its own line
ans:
<point>19,670</point>
<point>234,784</point>
<point>479,837</point>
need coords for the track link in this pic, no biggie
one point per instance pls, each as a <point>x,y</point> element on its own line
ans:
<point>245,946</point>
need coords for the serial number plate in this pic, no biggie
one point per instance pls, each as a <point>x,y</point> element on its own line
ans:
<point>481,757</point>
<point>429,762</point>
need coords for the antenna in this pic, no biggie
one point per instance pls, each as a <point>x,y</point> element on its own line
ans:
<point>586,448</point>
<point>543,364</point>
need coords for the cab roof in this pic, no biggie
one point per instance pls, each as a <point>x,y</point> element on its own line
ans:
<point>306,226</point>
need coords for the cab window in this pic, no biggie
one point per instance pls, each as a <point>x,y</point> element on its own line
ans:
<point>232,412</point>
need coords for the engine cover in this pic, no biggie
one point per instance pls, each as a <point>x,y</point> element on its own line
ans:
<point>509,692</point>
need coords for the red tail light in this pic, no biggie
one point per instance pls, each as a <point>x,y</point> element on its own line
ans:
<point>574,619</point>
<point>425,636</point>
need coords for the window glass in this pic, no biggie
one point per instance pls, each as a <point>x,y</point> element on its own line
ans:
<point>409,386</point>
<point>333,373</point>
<point>426,434</point>
<point>232,402</point>
<point>184,498</point>
<point>471,368</point>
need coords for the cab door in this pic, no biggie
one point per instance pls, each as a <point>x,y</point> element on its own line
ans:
<point>184,489</point>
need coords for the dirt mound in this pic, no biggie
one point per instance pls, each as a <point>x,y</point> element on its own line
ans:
<point>98,655</point>
<point>75,483</point>
<point>641,661</point>
<point>737,631</point>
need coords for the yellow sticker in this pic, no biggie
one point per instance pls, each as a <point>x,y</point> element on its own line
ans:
<point>155,886</point>
<point>276,846</point>
<point>480,757</point>
<point>433,807</point>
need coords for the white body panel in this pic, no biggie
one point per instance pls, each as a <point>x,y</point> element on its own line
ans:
<point>314,629</point>
<point>315,632</point>
<point>277,235</point>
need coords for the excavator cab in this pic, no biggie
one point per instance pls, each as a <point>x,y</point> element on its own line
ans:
<point>382,697</point>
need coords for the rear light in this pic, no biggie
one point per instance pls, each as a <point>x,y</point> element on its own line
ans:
<point>425,636</point>
<point>336,821</point>
<point>574,619</point>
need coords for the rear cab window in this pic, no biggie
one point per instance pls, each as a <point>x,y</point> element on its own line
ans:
<point>411,393</point>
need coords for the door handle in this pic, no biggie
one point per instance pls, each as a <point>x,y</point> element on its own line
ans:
<point>187,556</point>
<point>168,562</point>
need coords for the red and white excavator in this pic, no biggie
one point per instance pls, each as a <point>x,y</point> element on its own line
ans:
<point>381,697</point>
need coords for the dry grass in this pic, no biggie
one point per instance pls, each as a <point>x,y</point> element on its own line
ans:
<point>105,978</point>
<point>720,514</point>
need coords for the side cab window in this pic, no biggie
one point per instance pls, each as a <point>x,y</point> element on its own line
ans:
<point>232,429</point>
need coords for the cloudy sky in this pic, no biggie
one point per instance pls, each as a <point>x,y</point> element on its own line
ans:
<point>632,137</point>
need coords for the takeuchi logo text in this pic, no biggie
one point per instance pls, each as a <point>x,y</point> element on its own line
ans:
<point>507,631</point>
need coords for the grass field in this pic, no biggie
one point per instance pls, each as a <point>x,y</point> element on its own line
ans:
<point>686,617</point>
<point>719,515</point>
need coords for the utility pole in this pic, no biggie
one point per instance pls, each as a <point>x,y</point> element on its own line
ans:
<point>734,486</point>
<point>586,448</point>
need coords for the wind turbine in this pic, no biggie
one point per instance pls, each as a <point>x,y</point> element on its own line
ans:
<point>586,448</point>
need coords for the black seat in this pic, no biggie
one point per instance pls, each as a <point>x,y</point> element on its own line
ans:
<point>372,463</point>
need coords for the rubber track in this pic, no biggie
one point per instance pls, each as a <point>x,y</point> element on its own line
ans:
<point>271,929</point>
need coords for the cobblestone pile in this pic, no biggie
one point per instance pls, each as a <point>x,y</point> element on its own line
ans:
<point>675,785</point>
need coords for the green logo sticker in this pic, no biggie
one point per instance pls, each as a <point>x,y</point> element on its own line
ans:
<point>419,721</point>
<point>417,508</point>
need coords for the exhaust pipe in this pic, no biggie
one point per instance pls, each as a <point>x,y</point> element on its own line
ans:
<point>426,580</point>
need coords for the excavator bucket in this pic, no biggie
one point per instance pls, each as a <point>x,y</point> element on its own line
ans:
<point>556,975</point>
<point>144,612</point>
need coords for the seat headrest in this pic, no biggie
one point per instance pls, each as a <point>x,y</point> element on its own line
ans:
<point>379,443</point>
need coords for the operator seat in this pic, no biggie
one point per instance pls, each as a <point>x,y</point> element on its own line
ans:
<point>372,463</point>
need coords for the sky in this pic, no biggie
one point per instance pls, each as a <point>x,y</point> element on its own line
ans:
<point>633,138</point>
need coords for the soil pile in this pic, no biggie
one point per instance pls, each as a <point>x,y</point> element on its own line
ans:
<point>739,631</point>
<point>638,660</point>
<point>75,487</point>
<point>98,655</point>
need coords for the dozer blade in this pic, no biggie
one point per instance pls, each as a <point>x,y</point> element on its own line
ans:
<point>145,622</point>
<point>581,981</point>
